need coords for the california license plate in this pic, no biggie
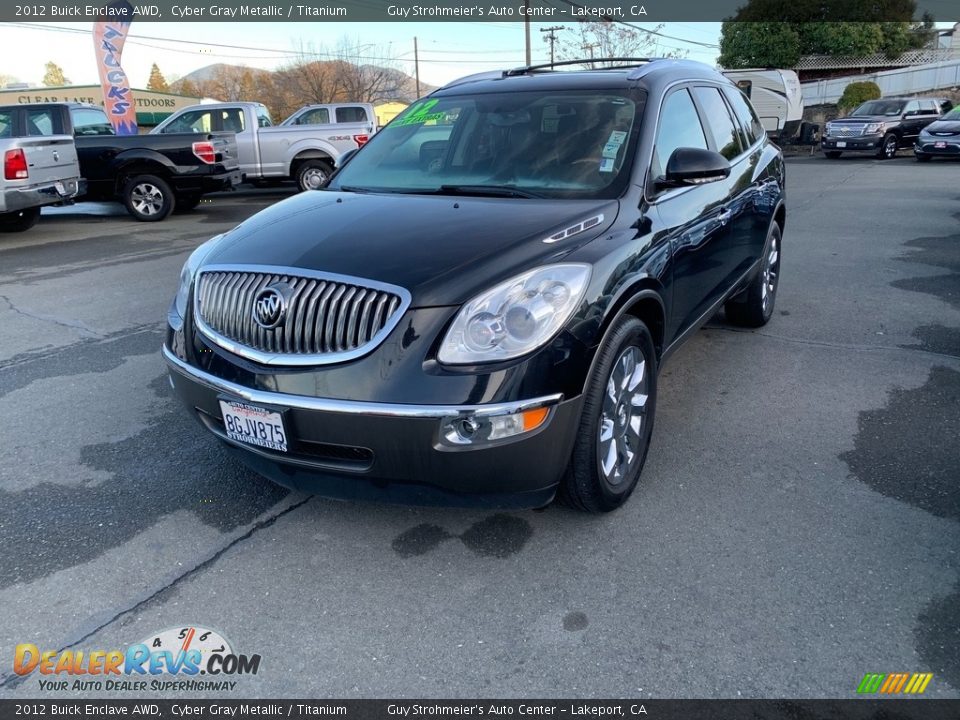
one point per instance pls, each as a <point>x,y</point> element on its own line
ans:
<point>940,145</point>
<point>841,143</point>
<point>253,425</point>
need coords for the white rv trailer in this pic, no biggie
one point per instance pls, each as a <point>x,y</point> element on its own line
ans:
<point>775,95</point>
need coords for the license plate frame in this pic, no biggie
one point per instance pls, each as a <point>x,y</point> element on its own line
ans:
<point>254,425</point>
<point>940,145</point>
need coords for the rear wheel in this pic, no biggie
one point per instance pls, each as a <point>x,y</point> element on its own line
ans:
<point>832,154</point>
<point>313,174</point>
<point>754,306</point>
<point>888,148</point>
<point>148,198</point>
<point>616,421</point>
<point>20,220</point>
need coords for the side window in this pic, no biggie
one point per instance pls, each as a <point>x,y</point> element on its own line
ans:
<point>317,116</point>
<point>351,115</point>
<point>745,114</point>
<point>929,107</point>
<point>195,121</point>
<point>6,123</point>
<point>912,108</point>
<point>88,121</point>
<point>232,120</point>
<point>720,125</point>
<point>42,122</point>
<point>263,117</point>
<point>679,127</point>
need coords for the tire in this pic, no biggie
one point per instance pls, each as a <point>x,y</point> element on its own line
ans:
<point>313,174</point>
<point>754,306</point>
<point>888,148</point>
<point>148,198</point>
<point>832,154</point>
<point>923,158</point>
<point>616,421</point>
<point>19,221</point>
<point>186,203</point>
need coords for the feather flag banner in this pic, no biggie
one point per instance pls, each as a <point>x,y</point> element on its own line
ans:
<point>109,34</point>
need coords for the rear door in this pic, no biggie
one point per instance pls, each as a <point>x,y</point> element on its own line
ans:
<point>49,150</point>
<point>357,115</point>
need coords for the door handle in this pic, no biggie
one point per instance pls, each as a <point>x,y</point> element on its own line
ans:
<point>725,215</point>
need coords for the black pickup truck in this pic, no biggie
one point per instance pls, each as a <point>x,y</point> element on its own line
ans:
<point>152,175</point>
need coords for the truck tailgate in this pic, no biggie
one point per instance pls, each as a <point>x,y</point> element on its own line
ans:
<point>225,145</point>
<point>50,158</point>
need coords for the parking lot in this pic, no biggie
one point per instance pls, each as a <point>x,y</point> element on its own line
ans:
<point>797,524</point>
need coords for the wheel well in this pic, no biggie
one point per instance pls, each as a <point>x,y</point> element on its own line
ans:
<point>309,155</point>
<point>650,312</point>
<point>140,168</point>
<point>780,218</point>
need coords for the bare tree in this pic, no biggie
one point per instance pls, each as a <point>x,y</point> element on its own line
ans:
<point>364,81</point>
<point>310,79</point>
<point>605,39</point>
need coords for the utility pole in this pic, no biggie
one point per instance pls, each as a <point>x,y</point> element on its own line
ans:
<point>552,37</point>
<point>589,48</point>
<point>416,65</point>
<point>526,28</point>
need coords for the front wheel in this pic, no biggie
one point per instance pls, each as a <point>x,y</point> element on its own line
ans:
<point>616,421</point>
<point>313,174</point>
<point>20,220</point>
<point>754,306</point>
<point>888,148</point>
<point>148,198</point>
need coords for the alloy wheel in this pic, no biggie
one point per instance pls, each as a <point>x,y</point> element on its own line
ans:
<point>771,273</point>
<point>146,198</point>
<point>623,416</point>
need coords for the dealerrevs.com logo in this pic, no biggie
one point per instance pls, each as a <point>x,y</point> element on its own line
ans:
<point>185,653</point>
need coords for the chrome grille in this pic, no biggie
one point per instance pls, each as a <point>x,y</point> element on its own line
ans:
<point>845,131</point>
<point>327,318</point>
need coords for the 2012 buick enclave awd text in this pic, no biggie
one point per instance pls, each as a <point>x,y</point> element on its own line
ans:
<point>475,309</point>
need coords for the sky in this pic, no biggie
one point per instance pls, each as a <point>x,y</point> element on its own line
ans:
<point>446,50</point>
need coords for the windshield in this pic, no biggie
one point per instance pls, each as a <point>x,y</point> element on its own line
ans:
<point>879,107</point>
<point>559,144</point>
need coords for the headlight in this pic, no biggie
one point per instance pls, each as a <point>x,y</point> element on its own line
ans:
<point>515,317</point>
<point>187,273</point>
<point>829,127</point>
<point>873,127</point>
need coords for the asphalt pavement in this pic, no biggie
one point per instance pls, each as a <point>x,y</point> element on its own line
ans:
<point>797,524</point>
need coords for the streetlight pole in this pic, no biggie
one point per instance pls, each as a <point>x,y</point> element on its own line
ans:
<point>416,65</point>
<point>526,28</point>
<point>552,37</point>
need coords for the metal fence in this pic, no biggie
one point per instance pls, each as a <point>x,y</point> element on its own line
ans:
<point>903,81</point>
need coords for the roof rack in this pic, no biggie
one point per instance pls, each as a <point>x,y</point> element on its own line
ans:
<point>628,62</point>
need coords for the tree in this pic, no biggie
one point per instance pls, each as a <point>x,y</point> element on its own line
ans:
<point>7,80</point>
<point>605,39</point>
<point>54,77</point>
<point>188,88</point>
<point>157,81</point>
<point>857,93</point>
<point>818,27</point>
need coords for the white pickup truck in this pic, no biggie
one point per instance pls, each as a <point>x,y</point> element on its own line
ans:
<point>307,154</point>
<point>39,165</point>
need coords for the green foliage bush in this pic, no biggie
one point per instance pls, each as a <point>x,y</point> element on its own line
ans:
<point>856,93</point>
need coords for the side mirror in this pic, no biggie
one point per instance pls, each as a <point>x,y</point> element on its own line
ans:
<point>345,158</point>
<point>695,166</point>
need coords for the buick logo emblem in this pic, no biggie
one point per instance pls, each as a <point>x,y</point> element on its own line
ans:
<point>270,306</point>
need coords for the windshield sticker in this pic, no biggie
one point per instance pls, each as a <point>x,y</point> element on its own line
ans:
<point>611,149</point>
<point>419,114</point>
<point>617,136</point>
<point>606,165</point>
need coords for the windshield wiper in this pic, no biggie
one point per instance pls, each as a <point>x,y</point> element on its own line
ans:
<point>350,189</point>
<point>485,191</point>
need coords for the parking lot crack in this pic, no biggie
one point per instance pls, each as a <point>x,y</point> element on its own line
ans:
<point>82,328</point>
<point>8,681</point>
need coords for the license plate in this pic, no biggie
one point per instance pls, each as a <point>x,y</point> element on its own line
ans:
<point>253,425</point>
<point>940,145</point>
<point>841,144</point>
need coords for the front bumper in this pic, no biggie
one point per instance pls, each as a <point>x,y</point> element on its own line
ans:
<point>863,143</point>
<point>30,196</point>
<point>390,452</point>
<point>925,147</point>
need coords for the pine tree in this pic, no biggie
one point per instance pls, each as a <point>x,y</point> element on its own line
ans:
<point>157,81</point>
<point>54,77</point>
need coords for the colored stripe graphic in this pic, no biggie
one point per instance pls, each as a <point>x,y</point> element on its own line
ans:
<point>894,683</point>
<point>108,39</point>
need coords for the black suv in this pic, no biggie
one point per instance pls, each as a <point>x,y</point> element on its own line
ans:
<point>477,306</point>
<point>882,126</point>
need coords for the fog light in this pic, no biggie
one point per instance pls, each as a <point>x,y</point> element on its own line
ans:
<point>476,429</point>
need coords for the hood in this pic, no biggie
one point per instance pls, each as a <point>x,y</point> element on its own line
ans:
<point>866,119</point>
<point>943,126</point>
<point>442,249</point>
